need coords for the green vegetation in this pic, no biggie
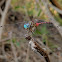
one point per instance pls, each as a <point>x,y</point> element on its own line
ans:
<point>33,9</point>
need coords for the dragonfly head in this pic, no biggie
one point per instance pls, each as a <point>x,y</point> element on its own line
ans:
<point>26,25</point>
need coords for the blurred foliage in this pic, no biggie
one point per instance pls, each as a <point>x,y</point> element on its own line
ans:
<point>41,30</point>
<point>18,41</point>
<point>33,9</point>
<point>56,16</point>
<point>52,46</point>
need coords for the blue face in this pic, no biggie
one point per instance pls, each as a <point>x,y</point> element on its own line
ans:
<point>26,25</point>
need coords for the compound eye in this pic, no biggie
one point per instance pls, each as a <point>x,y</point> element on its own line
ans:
<point>26,25</point>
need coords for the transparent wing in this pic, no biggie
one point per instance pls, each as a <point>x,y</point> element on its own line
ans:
<point>16,28</point>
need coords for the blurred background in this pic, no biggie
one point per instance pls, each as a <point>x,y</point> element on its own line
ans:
<point>14,14</point>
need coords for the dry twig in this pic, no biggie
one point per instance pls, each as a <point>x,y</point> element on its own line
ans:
<point>4,14</point>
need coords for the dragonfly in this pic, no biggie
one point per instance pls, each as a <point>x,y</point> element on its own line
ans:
<point>27,25</point>
<point>33,43</point>
<point>32,25</point>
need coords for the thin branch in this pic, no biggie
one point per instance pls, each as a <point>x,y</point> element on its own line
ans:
<point>27,56</point>
<point>1,11</point>
<point>50,16</point>
<point>55,8</point>
<point>13,48</point>
<point>58,10</point>
<point>4,17</point>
